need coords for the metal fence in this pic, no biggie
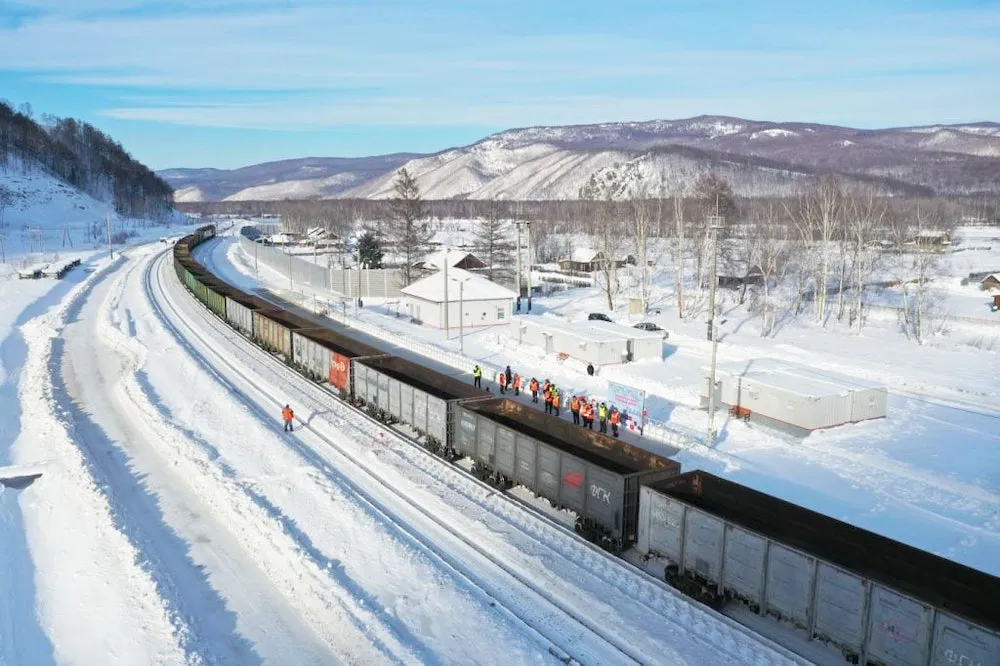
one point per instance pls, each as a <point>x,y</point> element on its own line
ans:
<point>373,283</point>
<point>368,282</point>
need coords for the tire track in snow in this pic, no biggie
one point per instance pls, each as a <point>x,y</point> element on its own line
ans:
<point>255,524</point>
<point>76,541</point>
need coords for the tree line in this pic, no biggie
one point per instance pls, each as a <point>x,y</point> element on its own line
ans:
<point>84,157</point>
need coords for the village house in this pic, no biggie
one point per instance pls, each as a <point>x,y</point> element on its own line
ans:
<point>480,301</point>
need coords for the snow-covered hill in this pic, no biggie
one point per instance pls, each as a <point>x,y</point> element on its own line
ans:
<point>42,214</point>
<point>759,157</point>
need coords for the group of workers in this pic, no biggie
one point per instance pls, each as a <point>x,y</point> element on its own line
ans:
<point>583,411</point>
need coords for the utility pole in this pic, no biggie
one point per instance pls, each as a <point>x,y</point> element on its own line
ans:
<point>714,225</point>
<point>447,305</point>
<point>461,319</point>
<point>517,270</point>
<point>528,227</point>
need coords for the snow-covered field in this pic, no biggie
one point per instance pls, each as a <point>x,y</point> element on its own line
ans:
<point>175,523</point>
<point>928,475</point>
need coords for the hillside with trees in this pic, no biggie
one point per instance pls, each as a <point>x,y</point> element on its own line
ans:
<point>84,157</point>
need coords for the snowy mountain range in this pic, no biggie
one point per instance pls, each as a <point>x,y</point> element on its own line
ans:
<point>756,157</point>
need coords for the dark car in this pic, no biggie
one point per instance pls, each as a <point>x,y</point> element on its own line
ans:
<point>598,316</point>
<point>650,326</point>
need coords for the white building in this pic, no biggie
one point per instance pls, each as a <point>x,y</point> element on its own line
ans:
<point>483,303</point>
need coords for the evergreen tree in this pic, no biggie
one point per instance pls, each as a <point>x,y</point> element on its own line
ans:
<point>411,234</point>
<point>369,251</point>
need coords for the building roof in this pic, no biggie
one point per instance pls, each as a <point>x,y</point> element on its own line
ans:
<point>576,330</point>
<point>799,379</point>
<point>624,331</point>
<point>476,287</point>
<point>584,255</point>
<point>436,260</point>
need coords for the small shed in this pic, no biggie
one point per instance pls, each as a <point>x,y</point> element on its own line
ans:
<point>585,260</point>
<point>794,395</point>
<point>483,303</point>
<point>575,340</point>
<point>454,258</point>
<point>754,276</point>
<point>642,345</point>
<point>990,283</point>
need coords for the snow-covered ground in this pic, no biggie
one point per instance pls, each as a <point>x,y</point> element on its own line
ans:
<point>928,475</point>
<point>175,523</point>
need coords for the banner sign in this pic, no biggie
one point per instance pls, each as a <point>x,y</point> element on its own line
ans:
<point>630,401</point>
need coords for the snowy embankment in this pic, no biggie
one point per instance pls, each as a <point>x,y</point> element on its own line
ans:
<point>94,597</point>
<point>652,620</point>
<point>926,475</point>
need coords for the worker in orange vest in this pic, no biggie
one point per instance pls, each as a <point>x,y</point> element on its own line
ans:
<point>502,380</point>
<point>555,402</point>
<point>547,396</point>
<point>574,408</point>
<point>615,416</point>
<point>287,414</point>
<point>587,411</point>
<point>517,384</point>
<point>533,385</point>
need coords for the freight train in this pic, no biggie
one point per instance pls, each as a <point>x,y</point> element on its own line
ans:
<point>876,601</point>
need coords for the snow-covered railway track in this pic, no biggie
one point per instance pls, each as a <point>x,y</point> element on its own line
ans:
<point>720,640</point>
<point>570,637</point>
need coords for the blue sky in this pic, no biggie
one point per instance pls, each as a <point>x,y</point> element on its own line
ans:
<point>228,83</point>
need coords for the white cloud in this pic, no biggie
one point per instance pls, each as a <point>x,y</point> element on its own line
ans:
<point>362,63</point>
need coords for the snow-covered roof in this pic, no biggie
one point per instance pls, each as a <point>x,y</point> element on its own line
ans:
<point>624,331</point>
<point>572,329</point>
<point>584,255</point>
<point>475,287</point>
<point>800,379</point>
<point>436,260</point>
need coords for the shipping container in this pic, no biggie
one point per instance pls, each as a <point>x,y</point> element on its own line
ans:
<point>239,315</point>
<point>594,475</point>
<point>575,340</point>
<point>864,595</point>
<point>415,395</point>
<point>641,345</point>
<point>800,397</point>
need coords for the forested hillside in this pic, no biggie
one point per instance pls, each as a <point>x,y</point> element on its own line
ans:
<point>84,157</point>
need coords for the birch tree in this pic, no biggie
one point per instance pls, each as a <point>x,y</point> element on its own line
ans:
<point>865,227</point>
<point>818,221</point>
<point>680,252</point>
<point>770,249</point>
<point>601,190</point>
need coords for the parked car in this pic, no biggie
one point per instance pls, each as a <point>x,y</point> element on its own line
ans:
<point>650,326</point>
<point>598,316</point>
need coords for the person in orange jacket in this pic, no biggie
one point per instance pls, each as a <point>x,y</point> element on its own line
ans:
<point>587,412</point>
<point>517,384</point>
<point>614,418</point>
<point>547,397</point>
<point>555,402</point>
<point>287,414</point>
<point>574,408</point>
<point>533,386</point>
<point>502,381</point>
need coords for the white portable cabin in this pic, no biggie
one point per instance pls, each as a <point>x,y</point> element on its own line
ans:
<point>576,340</point>
<point>797,395</point>
<point>642,345</point>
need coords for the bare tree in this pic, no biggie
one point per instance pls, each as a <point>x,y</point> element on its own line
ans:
<point>646,214</point>
<point>680,252</point>
<point>605,228</point>
<point>770,250</point>
<point>819,221</point>
<point>865,221</point>
<point>5,199</point>
<point>411,234</point>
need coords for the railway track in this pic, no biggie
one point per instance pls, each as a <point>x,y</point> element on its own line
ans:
<point>652,596</point>
<point>517,597</point>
